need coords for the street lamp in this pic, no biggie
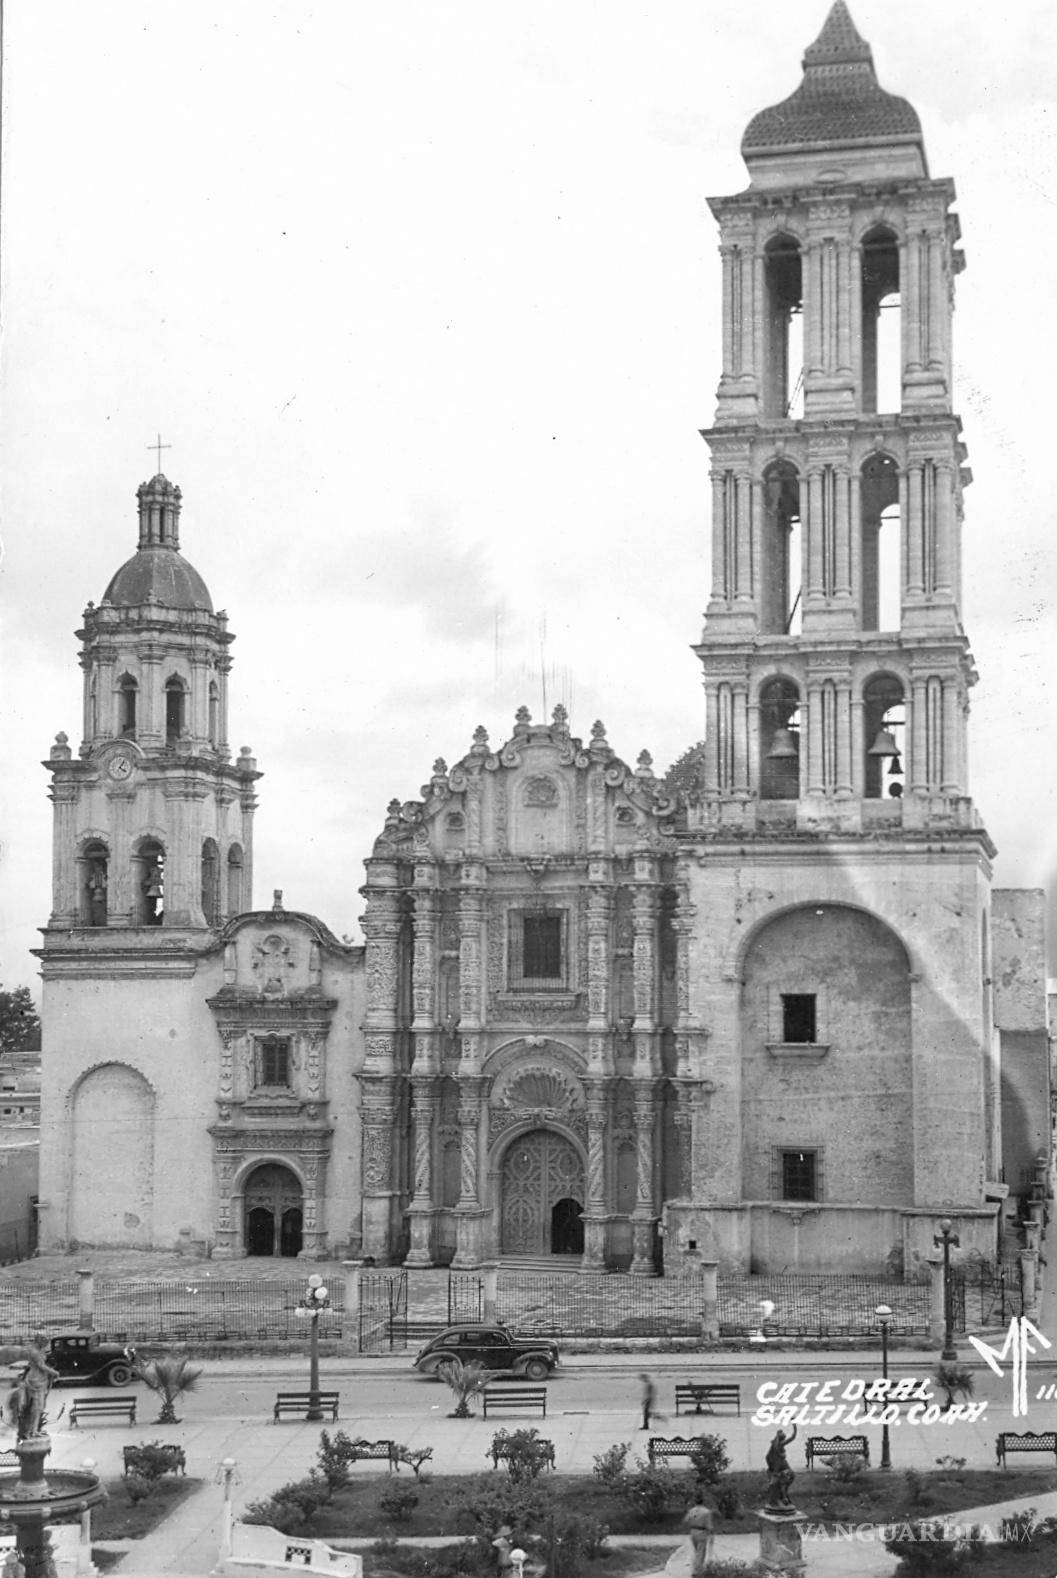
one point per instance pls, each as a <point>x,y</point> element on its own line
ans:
<point>311,1307</point>
<point>946,1238</point>
<point>884,1315</point>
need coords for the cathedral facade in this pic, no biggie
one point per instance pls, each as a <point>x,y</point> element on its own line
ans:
<point>778,1017</point>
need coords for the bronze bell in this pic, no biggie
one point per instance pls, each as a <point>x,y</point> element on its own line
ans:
<point>884,745</point>
<point>783,743</point>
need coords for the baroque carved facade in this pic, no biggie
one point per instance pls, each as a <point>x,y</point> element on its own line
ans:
<point>784,1022</point>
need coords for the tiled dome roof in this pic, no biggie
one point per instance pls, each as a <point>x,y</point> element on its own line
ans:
<point>158,575</point>
<point>839,101</point>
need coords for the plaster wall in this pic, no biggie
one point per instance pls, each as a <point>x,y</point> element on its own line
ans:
<point>932,901</point>
<point>159,1027</point>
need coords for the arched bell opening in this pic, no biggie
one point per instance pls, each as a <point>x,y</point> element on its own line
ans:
<point>95,882</point>
<point>780,570</point>
<point>881,322</point>
<point>783,350</point>
<point>779,766</point>
<point>149,888</point>
<point>880,557</point>
<point>175,709</point>
<point>234,895</point>
<point>884,734</point>
<point>127,691</point>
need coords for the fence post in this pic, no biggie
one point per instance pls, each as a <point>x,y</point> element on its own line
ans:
<point>1028,1265</point>
<point>490,1286</point>
<point>937,1319</point>
<point>85,1300</point>
<point>350,1328</point>
<point>709,1300</point>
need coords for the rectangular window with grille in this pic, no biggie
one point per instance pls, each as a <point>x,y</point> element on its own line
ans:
<point>273,1062</point>
<point>537,951</point>
<point>796,1175</point>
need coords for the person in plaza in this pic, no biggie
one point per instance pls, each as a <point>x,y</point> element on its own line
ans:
<point>699,1521</point>
<point>503,1544</point>
<point>649,1402</point>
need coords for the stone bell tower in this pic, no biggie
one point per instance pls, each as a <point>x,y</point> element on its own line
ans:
<point>836,669</point>
<point>839,971</point>
<point>153,822</point>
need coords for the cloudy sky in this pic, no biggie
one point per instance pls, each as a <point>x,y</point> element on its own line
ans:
<point>424,297</point>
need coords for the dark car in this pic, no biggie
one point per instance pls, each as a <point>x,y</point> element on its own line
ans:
<point>493,1346</point>
<point>83,1356</point>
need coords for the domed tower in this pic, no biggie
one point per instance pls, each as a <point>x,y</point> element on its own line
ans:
<point>153,822</point>
<point>840,978</point>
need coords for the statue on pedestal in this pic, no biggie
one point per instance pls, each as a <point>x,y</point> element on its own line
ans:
<point>780,1474</point>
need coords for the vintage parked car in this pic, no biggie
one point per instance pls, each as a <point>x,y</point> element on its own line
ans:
<point>83,1356</point>
<point>493,1346</point>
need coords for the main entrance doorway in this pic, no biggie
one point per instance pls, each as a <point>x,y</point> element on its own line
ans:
<point>273,1205</point>
<point>542,1187</point>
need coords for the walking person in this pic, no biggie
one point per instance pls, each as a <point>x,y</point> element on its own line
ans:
<point>699,1521</point>
<point>649,1399</point>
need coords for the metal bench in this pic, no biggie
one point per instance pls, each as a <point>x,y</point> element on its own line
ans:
<point>659,1448</point>
<point>98,1407</point>
<point>507,1398</point>
<point>836,1446</point>
<point>177,1463</point>
<point>1030,1441</point>
<point>298,1403</point>
<point>696,1397</point>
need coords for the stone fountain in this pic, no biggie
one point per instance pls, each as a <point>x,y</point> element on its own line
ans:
<point>33,1498</point>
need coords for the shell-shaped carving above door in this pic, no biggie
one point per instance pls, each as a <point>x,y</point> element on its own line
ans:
<point>540,1087</point>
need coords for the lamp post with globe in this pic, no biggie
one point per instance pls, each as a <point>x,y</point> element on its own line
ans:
<point>311,1307</point>
<point>884,1315</point>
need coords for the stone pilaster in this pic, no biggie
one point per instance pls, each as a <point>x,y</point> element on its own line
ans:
<point>469,1216</point>
<point>644,1215</point>
<point>423,1202</point>
<point>594,1258</point>
<point>379,1097</point>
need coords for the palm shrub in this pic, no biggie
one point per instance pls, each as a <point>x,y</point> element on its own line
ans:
<point>170,1379</point>
<point>465,1381</point>
<point>955,1380</point>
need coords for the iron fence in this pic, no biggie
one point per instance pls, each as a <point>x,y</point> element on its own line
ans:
<point>210,1309</point>
<point>465,1297</point>
<point>383,1322</point>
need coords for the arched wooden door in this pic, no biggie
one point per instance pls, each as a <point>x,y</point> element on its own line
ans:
<point>273,1203</point>
<point>539,1170</point>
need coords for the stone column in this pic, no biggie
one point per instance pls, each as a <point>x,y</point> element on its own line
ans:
<point>85,1300</point>
<point>594,1257</point>
<point>709,1301</point>
<point>490,1291</point>
<point>66,898</point>
<point>918,777</point>
<point>350,1327</point>
<point>644,1214</point>
<point>471,964</point>
<point>422,1209</point>
<point>950,781</point>
<point>644,962</point>
<point>743,567</point>
<point>937,1312</point>
<point>424,966</point>
<point>1029,1265</point>
<point>915,584</point>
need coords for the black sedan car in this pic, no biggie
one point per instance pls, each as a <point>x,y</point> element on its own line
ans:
<point>83,1356</point>
<point>493,1346</point>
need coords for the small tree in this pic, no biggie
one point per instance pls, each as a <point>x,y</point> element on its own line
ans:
<point>524,1452</point>
<point>709,1460</point>
<point>465,1381</point>
<point>19,1022</point>
<point>955,1380</point>
<point>170,1379</point>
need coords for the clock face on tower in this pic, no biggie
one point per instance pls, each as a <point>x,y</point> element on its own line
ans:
<point>119,768</point>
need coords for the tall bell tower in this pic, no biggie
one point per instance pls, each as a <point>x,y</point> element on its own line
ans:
<point>837,1014</point>
<point>836,669</point>
<point>153,822</point>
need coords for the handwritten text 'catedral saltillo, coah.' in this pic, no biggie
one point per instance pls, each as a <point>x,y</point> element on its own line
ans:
<point>857,1402</point>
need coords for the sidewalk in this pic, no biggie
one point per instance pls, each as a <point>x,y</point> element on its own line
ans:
<point>268,1455</point>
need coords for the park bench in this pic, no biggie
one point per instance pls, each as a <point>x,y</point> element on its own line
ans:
<point>696,1397</point>
<point>658,1448</point>
<point>10,1460</point>
<point>1030,1441</point>
<point>177,1459</point>
<point>836,1446</point>
<point>501,1450</point>
<point>505,1397</point>
<point>298,1403</point>
<point>97,1407</point>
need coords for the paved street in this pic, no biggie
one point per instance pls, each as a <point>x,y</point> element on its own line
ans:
<point>592,1404</point>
